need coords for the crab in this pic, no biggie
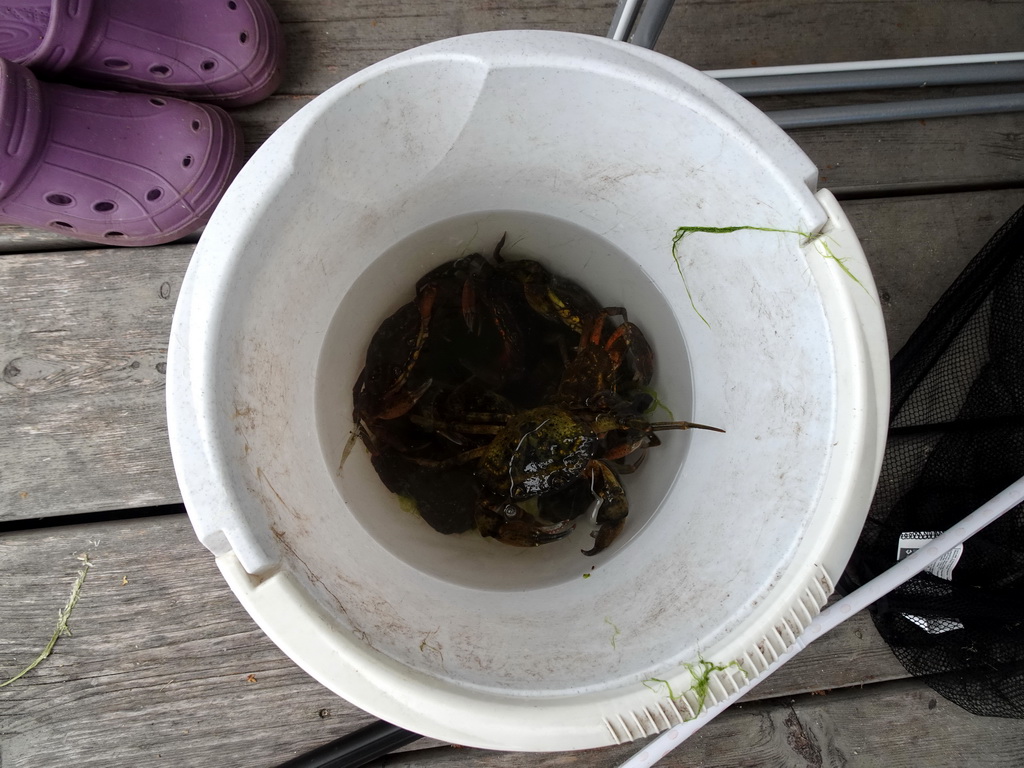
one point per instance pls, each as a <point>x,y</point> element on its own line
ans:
<point>394,378</point>
<point>447,400</point>
<point>564,457</point>
<point>543,452</point>
<point>470,317</point>
<point>584,438</point>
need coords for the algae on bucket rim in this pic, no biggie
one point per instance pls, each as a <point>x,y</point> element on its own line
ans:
<point>701,672</point>
<point>809,237</point>
<point>615,631</point>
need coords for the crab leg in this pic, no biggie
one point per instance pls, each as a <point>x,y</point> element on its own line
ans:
<point>464,427</point>
<point>399,400</point>
<point>463,458</point>
<point>511,525</point>
<point>658,426</point>
<point>627,339</point>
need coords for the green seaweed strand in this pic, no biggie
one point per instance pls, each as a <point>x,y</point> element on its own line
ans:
<point>809,237</point>
<point>62,623</point>
<point>651,684</point>
<point>828,254</point>
<point>615,630</point>
<point>702,678</point>
<point>656,403</point>
<point>701,673</point>
<point>682,232</point>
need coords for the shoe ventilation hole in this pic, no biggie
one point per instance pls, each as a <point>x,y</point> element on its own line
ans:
<point>232,4</point>
<point>113,235</point>
<point>186,161</point>
<point>117,64</point>
<point>57,198</point>
<point>208,65</point>
<point>196,125</point>
<point>103,206</point>
<point>158,102</point>
<point>61,225</point>
<point>243,38</point>
<point>154,194</point>
<point>160,70</point>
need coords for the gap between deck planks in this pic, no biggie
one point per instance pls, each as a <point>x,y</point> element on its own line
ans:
<point>83,348</point>
<point>157,672</point>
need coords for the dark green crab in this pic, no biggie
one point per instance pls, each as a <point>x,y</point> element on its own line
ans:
<point>515,387</point>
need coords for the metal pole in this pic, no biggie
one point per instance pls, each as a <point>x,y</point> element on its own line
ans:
<point>837,613</point>
<point>817,117</point>
<point>651,21</point>
<point>847,66</point>
<point>869,79</point>
<point>624,19</point>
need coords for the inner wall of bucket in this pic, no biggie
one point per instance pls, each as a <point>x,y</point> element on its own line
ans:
<point>615,279</point>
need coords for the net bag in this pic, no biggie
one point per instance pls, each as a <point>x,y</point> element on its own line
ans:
<point>956,438</point>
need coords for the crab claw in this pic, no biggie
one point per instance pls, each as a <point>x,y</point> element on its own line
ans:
<point>609,510</point>
<point>398,400</point>
<point>511,525</point>
<point>604,536</point>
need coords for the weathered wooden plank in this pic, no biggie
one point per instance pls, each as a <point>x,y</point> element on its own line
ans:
<point>15,239</point>
<point>879,159</point>
<point>325,38</point>
<point>722,34</point>
<point>84,338</point>
<point>918,245</point>
<point>892,725</point>
<point>329,39</point>
<point>160,645</point>
<point>157,672</point>
<point>83,346</point>
<point>158,669</point>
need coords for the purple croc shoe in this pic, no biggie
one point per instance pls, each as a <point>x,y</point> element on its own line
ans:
<point>223,51</point>
<point>111,168</point>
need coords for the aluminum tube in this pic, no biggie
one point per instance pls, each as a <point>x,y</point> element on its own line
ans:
<point>836,614</point>
<point>848,66</point>
<point>816,117</point>
<point>865,79</point>
<point>623,19</point>
<point>650,22</point>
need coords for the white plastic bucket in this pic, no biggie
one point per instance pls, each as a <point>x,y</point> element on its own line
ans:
<point>589,153</point>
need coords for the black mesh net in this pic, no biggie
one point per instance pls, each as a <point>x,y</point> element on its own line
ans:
<point>956,438</point>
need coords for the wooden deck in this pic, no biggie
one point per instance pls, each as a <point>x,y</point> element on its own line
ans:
<point>164,667</point>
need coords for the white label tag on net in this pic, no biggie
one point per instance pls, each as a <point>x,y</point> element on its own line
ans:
<point>942,567</point>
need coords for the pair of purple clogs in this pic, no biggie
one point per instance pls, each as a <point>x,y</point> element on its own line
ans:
<point>127,168</point>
